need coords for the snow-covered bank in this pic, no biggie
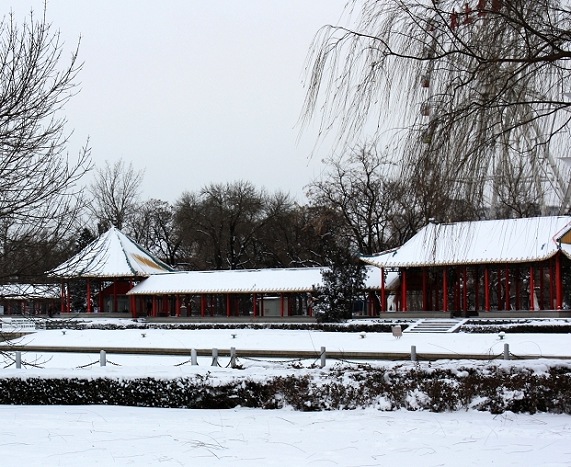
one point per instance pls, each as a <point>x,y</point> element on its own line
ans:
<point>101,435</point>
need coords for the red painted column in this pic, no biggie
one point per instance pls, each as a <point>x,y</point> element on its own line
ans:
<point>541,286</point>
<point>486,289</point>
<point>114,294</point>
<point>88,295</point>
<point>177,306</point>
<point>68,299</point>
<point>424,290</point>
<point>517,288</point>
<point>476,289</point>
<point>531,289</point>
<point>62,298</point>
<point>403,293</point>
<point>558,283</point>
<point>202,304</point>
<point>444,290</point>
<point>228,305</point>
<point>507,278</point>
<point>383,293</point>
<point>281,304</point>
<point>552,294</point>
<point>465,288</point>
<point>100,301</point>
<point>154,309</point>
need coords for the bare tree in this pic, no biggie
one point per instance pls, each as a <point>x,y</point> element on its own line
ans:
<point>468,88</point>
<point>360,186</point>
<point>154,228</point>
<point>39,196</point>
<point>220,223</point>
<point>115,194</point>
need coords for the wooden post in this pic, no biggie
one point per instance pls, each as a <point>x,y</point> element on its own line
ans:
<point>476,289</point>
<point>558,283</point>
<point>281,304</point>
<point>115,294</point>
<point>62,298</point>
<point>177,305</point>
<point>383,296</point>
<point>403,298</point>
<point>517,288</point>
<point>254,304</point>
<point>541,286</point>
<point>88,295</point>
<point>68,299</point>
<point>465,288</point>
<point>486,289</point>
<point>531,289</point>
<point>228,305</point>
<point>444,290</point>
<point>424,290</point>
<point>507,279</point>
<point>202,304</point>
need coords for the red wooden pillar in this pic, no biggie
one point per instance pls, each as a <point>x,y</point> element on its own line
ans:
<point>177,305</point>
<point>486,289</point>
<point>154,308</point>
<point>424,290</point>
<point>383,293</point>
<point>68,299</point>
<point>101,301</point>
<point>541,286</point>
<point>62,298</point>
<point>531,289</point>
<point>499,289</point>
<point>517,288</point>
<point>465,288</point>
<point>202,304</point>
<point>228,305</point>
<point>507,280</point>
<point>281,304</point>
<point>403,293</point>
<point>114,294</point>
<point>552,304</point>
<point>254,305</point>
<point>476,289</point>
<point>444,290</point>
<point>558,283</point>
<point>88,295</point>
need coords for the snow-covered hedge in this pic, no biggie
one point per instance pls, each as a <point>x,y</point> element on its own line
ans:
<point>494,388</point>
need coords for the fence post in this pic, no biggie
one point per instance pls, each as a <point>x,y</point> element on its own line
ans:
<point>233,357</point>
<point>193,357</point>
<point>214,357</point>
<point>102,358</point>
<point>506,351</point>
<point>413,353</point>
<point>18,359</point>
<point>323,357</point>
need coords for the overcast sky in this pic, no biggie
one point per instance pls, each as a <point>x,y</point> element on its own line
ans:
<point>193,91</point>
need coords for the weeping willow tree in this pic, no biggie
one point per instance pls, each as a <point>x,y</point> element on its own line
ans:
<point>473,95</point>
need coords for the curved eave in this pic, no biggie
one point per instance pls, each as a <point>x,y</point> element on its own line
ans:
<point>482,261</point>
<point>217,291</point>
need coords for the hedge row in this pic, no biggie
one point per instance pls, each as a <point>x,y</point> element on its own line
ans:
<point>491,388</point>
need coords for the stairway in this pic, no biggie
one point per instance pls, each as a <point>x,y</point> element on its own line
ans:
<point>435,325</point>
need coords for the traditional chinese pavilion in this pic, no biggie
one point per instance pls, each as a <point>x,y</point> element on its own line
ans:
<point>476,267</point>
<point>111,265</point>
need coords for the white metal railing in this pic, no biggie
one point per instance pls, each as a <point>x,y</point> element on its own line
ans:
<point>18,325</point>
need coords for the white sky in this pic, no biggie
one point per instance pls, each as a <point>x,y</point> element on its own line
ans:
<point>192,91</point>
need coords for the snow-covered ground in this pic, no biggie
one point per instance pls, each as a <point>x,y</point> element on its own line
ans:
<point>105,435</point>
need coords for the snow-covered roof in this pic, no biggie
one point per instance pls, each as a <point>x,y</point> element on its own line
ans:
<point>29,291</point>
<point>480,242</point>
<point>240,281</point>
<point>113,254</point>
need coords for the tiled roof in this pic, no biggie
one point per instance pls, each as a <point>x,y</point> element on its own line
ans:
<point>113,254</point>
